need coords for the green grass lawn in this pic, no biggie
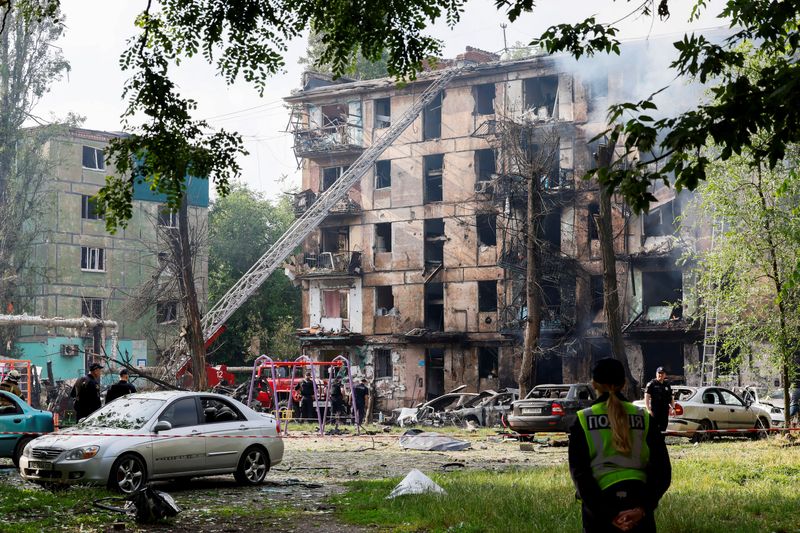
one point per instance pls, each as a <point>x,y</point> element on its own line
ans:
<point>717,487</point>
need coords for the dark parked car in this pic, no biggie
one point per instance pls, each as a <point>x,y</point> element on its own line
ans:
<point>488,407</point>
<point>433,411</point>
<point>550,408</point>
<point>17,417</point>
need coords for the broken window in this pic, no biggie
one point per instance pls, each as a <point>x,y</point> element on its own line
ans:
<point>485,164</point>
<point>166,312</point>
<point>382,362</point>
<point>89,208</point>
<point>92,307</point>
<point>594,213</point>
<point>540,95</point>
<point>335,303</point>
<point>167,218</point>
<point>551,228</point>
<point>434,170</point>
<point>330,175</point>
<point>661,220</point>
<point>663,289</point>
<point>551,301</point>
<point>434,241</point>
<point>596,291</point>
<point>334,116</point>
<point>93,158</point>
<point>487,229</point>
<point>432,119</point>
<point>484,99</point>
<point>335,239</point>
<point>487,362</point>
<point>434,373</point>
<point>487,296</point>
<point>383,237</point>
<point>383,112</point>
<point>434,306</point>
<point>384,300</point>
<point>544,161</point>
<point>93,259</point>
<point>383,174</point>
<point>666,354</point>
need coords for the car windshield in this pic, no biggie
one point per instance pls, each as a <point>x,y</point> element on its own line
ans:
<point>124,413</point>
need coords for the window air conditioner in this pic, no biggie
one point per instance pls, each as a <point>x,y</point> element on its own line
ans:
<point>70,350</point>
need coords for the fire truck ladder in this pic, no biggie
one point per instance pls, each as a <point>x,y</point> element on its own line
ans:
<point>249,283</point>
<point>708,369</point>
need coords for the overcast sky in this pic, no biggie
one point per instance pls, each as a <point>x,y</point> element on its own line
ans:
<point>98,29</point>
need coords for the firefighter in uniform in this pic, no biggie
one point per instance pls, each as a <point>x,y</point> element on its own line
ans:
<point>617,459</point>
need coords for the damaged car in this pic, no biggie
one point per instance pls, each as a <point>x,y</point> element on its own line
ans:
<point>488,408</point>
<point>437,411</point>
<point>157,435</point>
<point>550,408</point>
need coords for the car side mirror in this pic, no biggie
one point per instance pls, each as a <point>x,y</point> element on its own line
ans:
<point>748,402</point>
<point>162,425</point>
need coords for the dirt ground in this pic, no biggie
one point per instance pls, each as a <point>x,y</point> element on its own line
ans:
<point>314,468</point>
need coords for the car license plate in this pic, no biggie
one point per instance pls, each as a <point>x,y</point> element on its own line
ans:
<point>321,404</point>
<point>532,411</point>
<point>40,465</point>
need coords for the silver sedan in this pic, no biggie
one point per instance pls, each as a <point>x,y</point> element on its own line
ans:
<point>158,435</point>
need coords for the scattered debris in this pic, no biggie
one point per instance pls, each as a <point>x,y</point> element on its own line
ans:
<point>291,482</point>
<point>415,483</point>
<point>415,439</point>
<point>450,466</point>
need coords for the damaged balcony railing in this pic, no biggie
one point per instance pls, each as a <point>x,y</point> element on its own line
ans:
<point>304,200</point>
<point>331,263</point>
<point>345,138</point>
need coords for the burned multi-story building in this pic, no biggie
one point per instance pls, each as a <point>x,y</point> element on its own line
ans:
<point>420,274</point>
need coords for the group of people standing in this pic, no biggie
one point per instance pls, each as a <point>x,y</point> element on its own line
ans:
<point>86,392</point>
<point>307,389</point>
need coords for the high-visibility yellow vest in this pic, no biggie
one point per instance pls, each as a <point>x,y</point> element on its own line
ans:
<point>608,465</point>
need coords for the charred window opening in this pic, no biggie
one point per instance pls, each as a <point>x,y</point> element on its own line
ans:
<point>334,115</point>
<point>596,292</point>
<point>432,119</point>
<point>661,220</point>
<point>540,95</point>
<point>335,239</point>
<point>549,368</point>
<point>551,299</point>
<point>551,229</point>
<point>485,164</point>
<point>434,241</point>
<point>382,362</point>
<point>666,354</point>
<point>484,99</point>
<point>663,289</point>
<point>384,300</point>
<point>597,92</point>
<point>487,229</point>
<point>594,213</point>
<point>383,237</point>
<point>487,362</point>
<point>434,170</point>
<point>383,174</point>
<point>166,312</point>
<point>330,175</point>
<point>544,161</point>
<point>434,306</point>
<point>335,303</point>
<point>434,372</point>
<point>383,112</point>
<point>92,307</point>
<point>487,296</point>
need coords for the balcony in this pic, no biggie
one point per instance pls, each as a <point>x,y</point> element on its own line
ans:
<point>340,140</point>
<point>344,207</point>
<point>327,264</point>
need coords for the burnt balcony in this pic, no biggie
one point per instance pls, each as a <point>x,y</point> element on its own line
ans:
<point>344,207</point>
<point>328,264</point>
<point>340,140</point>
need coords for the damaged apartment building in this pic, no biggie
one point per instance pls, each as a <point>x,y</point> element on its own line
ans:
<point>418,276</point>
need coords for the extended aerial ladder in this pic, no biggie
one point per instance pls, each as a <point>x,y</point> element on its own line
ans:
<point>250,282</point>
<point>708,367</point>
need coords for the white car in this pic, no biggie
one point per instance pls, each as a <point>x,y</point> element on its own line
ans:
<point>704,408</point>
<point>158,435</point>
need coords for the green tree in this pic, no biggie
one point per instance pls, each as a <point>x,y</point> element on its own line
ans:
<point>241,227</point>
<point>359,67</point>
<point>746,274</point>
<point>28,67</point>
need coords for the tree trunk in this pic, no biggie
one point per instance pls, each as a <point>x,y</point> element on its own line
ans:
<point>194,338</point>
<point>533,323</point>
<point>611,306</point>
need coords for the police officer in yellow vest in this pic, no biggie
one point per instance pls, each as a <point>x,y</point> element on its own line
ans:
<point>617,458</point>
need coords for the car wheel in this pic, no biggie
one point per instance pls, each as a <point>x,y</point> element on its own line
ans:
<point>18,450</point>
<point>253,466</point>
<point>705,425</point>
<point>128,474</point>
<point>761,423</point>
